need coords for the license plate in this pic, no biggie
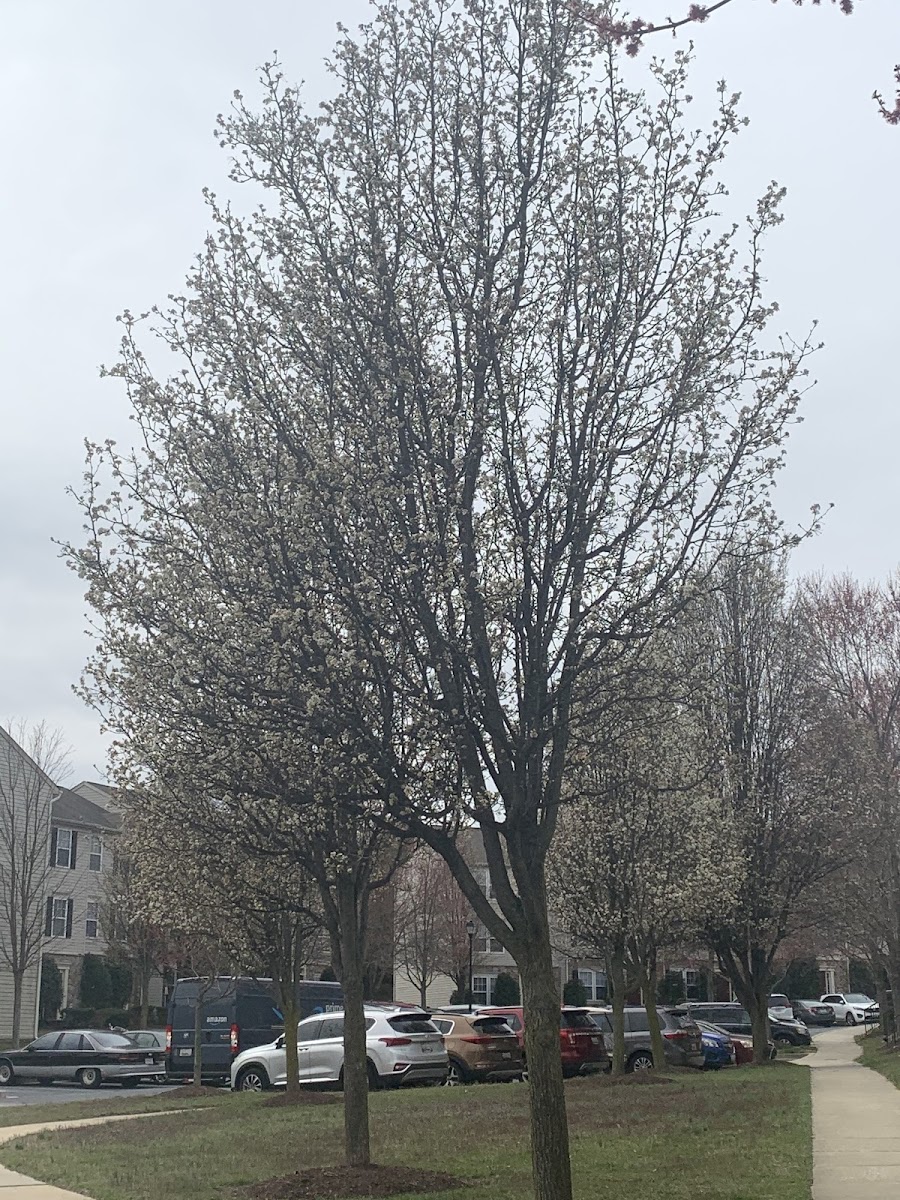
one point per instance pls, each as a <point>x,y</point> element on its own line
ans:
<point>425,1049</point>
<point>506,1054</point>
<point>596,1041</point>
<point>149,1059</point>
<point>185,1053</point>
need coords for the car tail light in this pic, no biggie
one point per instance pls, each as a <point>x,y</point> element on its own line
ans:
<point>478,1041</point>
<point>168,1038</point>
<point>396,1041</point>
<point>235,1038</point>
<point>677,1035</point>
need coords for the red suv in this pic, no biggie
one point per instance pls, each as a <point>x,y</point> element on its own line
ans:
<point>580,1041</point>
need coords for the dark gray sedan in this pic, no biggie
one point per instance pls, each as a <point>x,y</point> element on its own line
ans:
<point>88,1056</point>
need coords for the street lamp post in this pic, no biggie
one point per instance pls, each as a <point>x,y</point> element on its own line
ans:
<point>470,933</point>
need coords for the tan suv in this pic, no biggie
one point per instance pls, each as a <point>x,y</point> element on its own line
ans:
<point>479,1047</point>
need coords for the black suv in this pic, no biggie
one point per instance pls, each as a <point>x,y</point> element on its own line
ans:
<point>735,1019</point>
<point>681,1037</point>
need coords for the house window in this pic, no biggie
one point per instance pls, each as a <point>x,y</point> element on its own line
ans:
<point>65,847</point>
<point>92,920</point>
<point>486,885</point>
<point>485,944</point>
<point>96,860</point>
<point>59,917</point>
<point>692,985</point>
<point>483,989</point>
<point>594,983</point>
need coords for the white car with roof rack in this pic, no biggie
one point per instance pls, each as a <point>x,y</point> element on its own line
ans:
<point>402,1046</point>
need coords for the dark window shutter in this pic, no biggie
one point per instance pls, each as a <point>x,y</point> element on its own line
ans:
<point>70,904</point>
<point>74,848</point>
<point>54,838</point>
<point>48,918</point>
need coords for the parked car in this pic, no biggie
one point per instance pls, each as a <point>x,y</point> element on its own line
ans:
<point>780,1008</point>
<point>717,1048</point>
<point>682,1039</point>
<point>811,1012</point>
<point>479,1046</point>
<point>88,1056</point>
<point>735,1019</point>
<point>581,1043</point>
<point>402,1046</point>
<point>853,1008</point>
<point>236,1013</point>
<point>742,1046</point>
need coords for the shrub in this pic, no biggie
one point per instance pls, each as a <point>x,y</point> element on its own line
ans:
<point>575,993</point>
<point>457,996</point>
<point>328,976</point>
<point>51,989</point>
<point>119,983</point>
<point>79,1018</point>
<point>96,984</point>
<point>506,990</point>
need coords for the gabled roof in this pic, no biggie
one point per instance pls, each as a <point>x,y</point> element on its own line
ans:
<point>71,809</point>
<point>6,737</point>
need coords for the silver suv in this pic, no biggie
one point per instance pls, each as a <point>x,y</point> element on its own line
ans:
<point>402,1046</point>
<point>682,1039</point>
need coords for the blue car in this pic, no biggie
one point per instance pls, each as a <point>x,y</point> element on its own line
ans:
<point>717,1050</point>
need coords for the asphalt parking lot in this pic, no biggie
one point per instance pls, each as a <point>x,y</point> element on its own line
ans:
<point>61,1093</point>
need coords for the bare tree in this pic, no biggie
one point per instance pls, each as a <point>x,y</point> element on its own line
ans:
<point>32,763</point>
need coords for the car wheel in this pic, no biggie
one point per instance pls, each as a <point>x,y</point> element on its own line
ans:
<point>641,1061</point>
<point>457,1075</point>
<point>782,1039</point>
<point>89,1077</point>
<point>252,1079</point>
<point>849,1019</point>
<point>7,1074</point>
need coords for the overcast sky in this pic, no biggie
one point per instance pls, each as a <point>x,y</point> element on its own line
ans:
<point>108,111</point>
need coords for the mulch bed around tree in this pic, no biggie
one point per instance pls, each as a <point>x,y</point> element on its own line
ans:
<point>335,1183</point>
<point>282,1100</point>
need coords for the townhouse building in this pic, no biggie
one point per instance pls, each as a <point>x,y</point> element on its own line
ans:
<point>82,844</point>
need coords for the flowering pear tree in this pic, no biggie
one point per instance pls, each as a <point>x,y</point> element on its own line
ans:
<point>785,784</point>
<point>457,415</point>
<point>643,858</point>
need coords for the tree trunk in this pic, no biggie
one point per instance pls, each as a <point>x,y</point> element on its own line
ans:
<point>198,1042</point>
<point>759,1019</point>
<point>18,988</point>
<point>291,1012</point>
<point>356,1079</point>
<point>648,987</point>
<point>423,996</point>
<point>617,989</point>
<point>551,1168</point>
<point>145,994</point>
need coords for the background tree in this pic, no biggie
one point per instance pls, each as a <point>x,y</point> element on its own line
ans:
<point>33,761</point>
<point>420,920</point>
<point>461,411</point>
<point>785,783</point>
<point>51,989</point>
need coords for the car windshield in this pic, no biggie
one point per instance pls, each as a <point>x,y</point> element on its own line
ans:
<point>857,998</point>
<point>779,1002</point>
<point>111,1041</point>
<point>495,1026</point>
<point>412,1025</point>
<point>576,1020</point>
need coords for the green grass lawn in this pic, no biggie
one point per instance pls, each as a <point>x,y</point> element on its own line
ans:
<point>109,1103</point>
<point>731,1135</point>
<point>881,1058</point>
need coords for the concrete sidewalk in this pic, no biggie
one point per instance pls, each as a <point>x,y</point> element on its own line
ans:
<point>856,1124</point>
<point>14,1186</point>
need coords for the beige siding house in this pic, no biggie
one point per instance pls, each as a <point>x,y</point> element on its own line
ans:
<point>26,795</point>
<point>83,835</point>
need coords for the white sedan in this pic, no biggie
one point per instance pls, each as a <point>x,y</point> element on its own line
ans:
<point>853,1008</point>
<point>402,1046</point>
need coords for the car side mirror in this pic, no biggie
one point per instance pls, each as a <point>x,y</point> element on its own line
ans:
<point>279,1044</point>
